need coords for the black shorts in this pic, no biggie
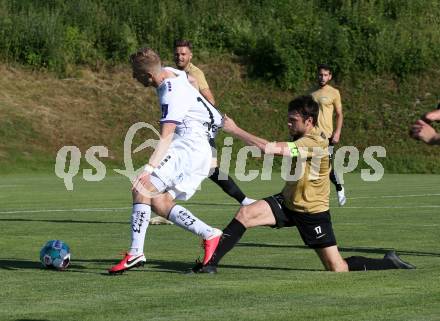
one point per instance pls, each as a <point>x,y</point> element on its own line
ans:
<point>315,229</point>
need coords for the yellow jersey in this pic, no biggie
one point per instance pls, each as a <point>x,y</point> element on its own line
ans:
<point>198,74</point>
<point>328,98</point>
<point>309,193</point>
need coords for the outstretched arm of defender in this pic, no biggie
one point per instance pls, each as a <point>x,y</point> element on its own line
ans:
<point>272,148</point>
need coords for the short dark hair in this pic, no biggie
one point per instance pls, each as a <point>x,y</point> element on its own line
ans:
<point>325,67</point>
<point>306,107</point>
<point>182,43</point>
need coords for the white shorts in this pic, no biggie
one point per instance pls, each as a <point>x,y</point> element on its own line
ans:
<point>183,168</point>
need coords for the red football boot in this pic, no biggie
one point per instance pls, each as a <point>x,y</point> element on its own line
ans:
<point>127,263</point>
<point>210,245</point>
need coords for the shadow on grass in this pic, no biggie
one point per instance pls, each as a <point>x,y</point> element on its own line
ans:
<point>182,267</point>
<point>167,266</point>
<point>373,250</point>
<point>59,221</point>
<point>154,265</point>
<point>11,264</point>
<point>214,204</point>
<point>14,264</point>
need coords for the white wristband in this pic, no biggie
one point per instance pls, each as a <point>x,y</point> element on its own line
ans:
<point>149,169</point>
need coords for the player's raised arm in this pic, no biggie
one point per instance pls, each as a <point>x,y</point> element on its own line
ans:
<point>273,148</point>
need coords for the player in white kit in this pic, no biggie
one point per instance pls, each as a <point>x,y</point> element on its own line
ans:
<point>180,162</point>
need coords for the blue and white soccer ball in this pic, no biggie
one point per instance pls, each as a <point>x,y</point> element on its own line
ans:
<point>55,254</point>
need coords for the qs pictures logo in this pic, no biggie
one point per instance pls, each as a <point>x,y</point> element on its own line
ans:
<point>346,160</point>
<point>69,157</point>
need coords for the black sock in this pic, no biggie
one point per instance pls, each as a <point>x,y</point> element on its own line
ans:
<point>231,235</point>
<point>360,263</point>
<point>228,186</point>
<point>334,180</point>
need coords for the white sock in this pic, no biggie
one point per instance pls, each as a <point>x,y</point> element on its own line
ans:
<point>247,201</point>
<point>140,218</point>
<point>186,220</point>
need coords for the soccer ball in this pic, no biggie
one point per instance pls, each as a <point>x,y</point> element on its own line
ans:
<point>55,254</point>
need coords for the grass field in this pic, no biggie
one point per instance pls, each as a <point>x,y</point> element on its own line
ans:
<point>270,275</point>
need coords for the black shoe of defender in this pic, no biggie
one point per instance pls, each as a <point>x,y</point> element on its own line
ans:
<point>397,261</point>
<point>200,268</point>
<point>210,269</point>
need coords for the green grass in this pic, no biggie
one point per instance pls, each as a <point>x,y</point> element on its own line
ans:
<point>270,275</point>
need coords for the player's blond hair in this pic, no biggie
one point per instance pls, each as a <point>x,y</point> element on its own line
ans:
<point>146,59</point>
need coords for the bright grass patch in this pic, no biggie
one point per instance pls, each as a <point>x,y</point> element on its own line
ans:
<point>270,275</point>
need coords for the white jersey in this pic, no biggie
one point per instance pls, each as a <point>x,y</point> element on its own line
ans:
<point>188,158</point>
<point>184,106</point>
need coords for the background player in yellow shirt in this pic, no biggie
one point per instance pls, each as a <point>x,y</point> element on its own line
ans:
<point>304,202</point>
<point>329,101</point>
<point>182,57</point>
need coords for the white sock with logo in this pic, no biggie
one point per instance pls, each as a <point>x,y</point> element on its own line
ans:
<point>186,220</point>
<point>140,218</point>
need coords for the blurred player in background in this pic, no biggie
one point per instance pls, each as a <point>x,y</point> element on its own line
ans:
<point>329,101</point>
<point>182,58</point>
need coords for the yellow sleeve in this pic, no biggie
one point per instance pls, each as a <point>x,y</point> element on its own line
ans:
<point>201,80</point>
<point>337,101</point>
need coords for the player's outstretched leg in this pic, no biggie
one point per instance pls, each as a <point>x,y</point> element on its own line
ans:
<point>231,235</point>
<point>182,217</point>
<point>230,187</point>
<point>397,261</point>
